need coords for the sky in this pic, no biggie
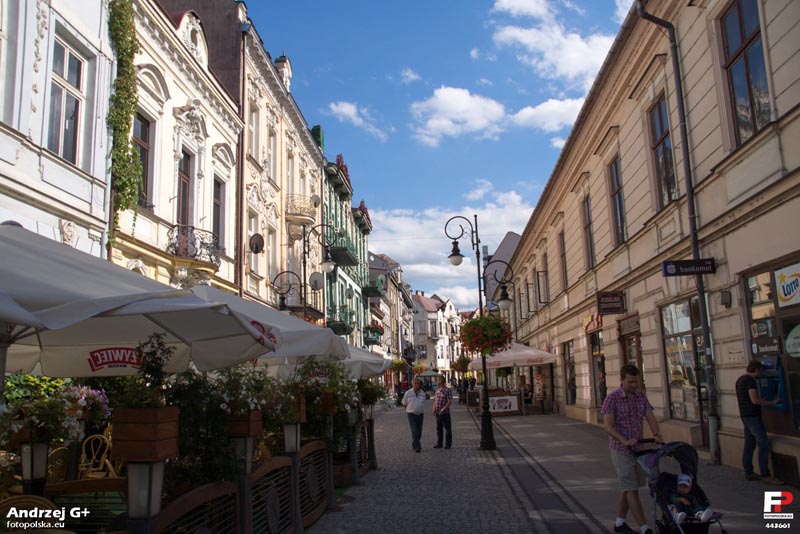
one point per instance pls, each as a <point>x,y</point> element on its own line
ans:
<point>442,108</point>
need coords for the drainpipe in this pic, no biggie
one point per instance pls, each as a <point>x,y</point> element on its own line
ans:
<point>713,416</point>
<point>238,271</point>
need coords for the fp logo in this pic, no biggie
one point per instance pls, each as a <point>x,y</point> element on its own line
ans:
<point>774,501</point>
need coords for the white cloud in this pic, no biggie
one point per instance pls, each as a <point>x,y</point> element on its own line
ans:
<point>359,117</point>
<point>453,112</point>
<point>474,54</point>
<point>558,142</point>
<point>550,116</point>
<point>482,187</point>
<point>484,82</point>
<point>524,8</point>
<point>623,6</point>
<point>555,53</point>
<point>416,239</point>
<point>408,76</point>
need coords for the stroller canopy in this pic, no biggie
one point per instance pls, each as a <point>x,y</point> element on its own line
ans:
<point>683,453</point>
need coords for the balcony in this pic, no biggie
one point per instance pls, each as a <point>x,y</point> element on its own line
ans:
<point>341,321</point>
<point>189,242</point>
<point>343,251</point>
<point>300,209</point>
<point>372,336</point>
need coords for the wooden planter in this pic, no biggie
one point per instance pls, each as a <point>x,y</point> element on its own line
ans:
<point>145,434</point>
<point>327,404</point>
<point>245,424</point>
<point>297,409</point>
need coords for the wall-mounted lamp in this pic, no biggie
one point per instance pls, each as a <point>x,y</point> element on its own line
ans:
<point>725,298</point>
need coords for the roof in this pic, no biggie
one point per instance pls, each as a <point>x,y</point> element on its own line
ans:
<point>429,304</point>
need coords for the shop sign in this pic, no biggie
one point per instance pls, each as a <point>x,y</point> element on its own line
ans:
<point>629,325</point>
<point>766,345</point>
<point>610,302</point>
<point>787,282</point>
<point>688,267</point>
<point>593,321</point>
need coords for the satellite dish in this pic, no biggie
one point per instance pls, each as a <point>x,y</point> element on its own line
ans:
<point>316,281</point>
<point>349,292</point>
<point>315,200</point>
<point>256,243</point>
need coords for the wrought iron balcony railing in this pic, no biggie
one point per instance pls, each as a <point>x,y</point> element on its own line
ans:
<point>189,242</point>
<point>301,207</point>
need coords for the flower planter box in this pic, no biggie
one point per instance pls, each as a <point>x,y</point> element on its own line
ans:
<point>245,424</point>
<point>372,337</point>
<point>340,328</point>
<point>145,434</point>
<point>297,410</point>
<point>327,404</point>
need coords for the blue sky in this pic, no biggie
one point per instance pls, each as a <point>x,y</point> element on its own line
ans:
<point>442,108</point>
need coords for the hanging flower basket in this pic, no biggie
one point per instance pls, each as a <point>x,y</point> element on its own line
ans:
<point>485,334</point>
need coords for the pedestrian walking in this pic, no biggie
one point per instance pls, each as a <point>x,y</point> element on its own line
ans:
<point>754,431</point>
<point>625,410</point>
<point>414,401</point>
<point>441,410</point>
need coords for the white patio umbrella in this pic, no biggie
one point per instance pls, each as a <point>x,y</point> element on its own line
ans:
<point>295,339</point>
<point>359,363</point>
<point>516,355</point>
<point>77,315</point>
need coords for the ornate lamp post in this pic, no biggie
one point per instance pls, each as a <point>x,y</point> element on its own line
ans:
<point>505,301</point>
<point>327,265</point>
<point>466,229</point>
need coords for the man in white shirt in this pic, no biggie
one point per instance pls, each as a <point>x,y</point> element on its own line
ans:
<point>414,401</point>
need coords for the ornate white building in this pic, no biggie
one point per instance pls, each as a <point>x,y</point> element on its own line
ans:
<point>56,69</point>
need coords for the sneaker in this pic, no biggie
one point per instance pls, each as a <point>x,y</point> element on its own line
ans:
<point>774,481</point>
<point>706,514</point>
<point>679,517</point>
<point>624,529</point>
<point>752,477</point>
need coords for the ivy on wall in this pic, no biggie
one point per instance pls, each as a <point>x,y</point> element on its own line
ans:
<point>126,169</point>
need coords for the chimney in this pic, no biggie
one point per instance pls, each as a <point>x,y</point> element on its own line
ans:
<point>284,67</point>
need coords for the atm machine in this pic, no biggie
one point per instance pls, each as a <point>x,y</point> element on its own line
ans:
<point>771,382</point>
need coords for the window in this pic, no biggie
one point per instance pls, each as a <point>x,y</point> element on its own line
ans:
<point>66,102</point>
<point>588,233</point>
<point>273,155</point>
<point>568,352</point>
<point>433,328</point>
<point>252,131</point>
<point>683,339</point>
<point>598,366</point>
<point>662,153</point>
<point>184,189</point>
<point>252,229</point>
<point>290,185</point>
<point>272,258</point>
<point>542,284</point>
<point>745,69</point>
<point>218,212</point>
<point>141,142</point>
<point>617,203</point>
<point>562,250</point>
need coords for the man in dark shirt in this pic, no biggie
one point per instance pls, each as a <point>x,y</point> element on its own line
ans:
<point>754,432</point>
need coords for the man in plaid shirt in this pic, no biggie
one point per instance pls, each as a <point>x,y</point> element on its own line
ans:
<point>441,410</point>
<point>625,410</point>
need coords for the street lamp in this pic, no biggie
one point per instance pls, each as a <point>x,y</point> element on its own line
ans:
<point>466,229</point>
<point>505,301</point>
<point>327,265</point>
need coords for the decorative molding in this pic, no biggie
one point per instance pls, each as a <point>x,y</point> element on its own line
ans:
<point>658,62</point>
<point>136,264</point>
<point>67,229</point>
<point>580,181</point>
<point>611,135</point>
<point>151,80</point>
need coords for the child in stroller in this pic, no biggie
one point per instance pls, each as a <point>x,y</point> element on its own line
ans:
<point>664,485</point>
<point>683,501</point>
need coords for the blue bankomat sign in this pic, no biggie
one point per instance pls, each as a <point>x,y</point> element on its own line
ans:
<point>688,267</point>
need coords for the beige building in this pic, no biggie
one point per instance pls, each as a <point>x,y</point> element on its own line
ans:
<point>616,207</point>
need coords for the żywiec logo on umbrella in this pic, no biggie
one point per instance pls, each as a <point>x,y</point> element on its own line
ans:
<point>112,357</point>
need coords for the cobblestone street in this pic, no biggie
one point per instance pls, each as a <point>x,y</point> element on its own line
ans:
<point>438,490</point>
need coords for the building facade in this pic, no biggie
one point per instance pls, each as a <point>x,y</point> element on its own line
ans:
<point>56,72</point>
<point>616,207</point>
<point>186,133</point>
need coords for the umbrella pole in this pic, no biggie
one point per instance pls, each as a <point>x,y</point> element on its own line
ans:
<point>4,344</point>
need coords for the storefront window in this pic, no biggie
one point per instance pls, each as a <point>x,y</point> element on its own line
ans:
<point>683,339</point>
<point>598,366</point>
<point>569,362</point>
<point>773,302</point>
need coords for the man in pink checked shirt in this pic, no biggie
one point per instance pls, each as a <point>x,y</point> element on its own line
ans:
<point>625,410</point>
<point>441,410</point>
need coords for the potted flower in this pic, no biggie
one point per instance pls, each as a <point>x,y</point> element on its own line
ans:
<point>89,405</point>
<point>373,333</point>
<point>145,428</point>
<point>242,388</point>
<point>485,334</point>
<point>369,392</point>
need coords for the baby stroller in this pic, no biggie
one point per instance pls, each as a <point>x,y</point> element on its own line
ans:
<point>662,484</point>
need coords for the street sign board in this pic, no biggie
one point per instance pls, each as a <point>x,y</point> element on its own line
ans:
<point>688,267</point>
<point>610,302</point>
